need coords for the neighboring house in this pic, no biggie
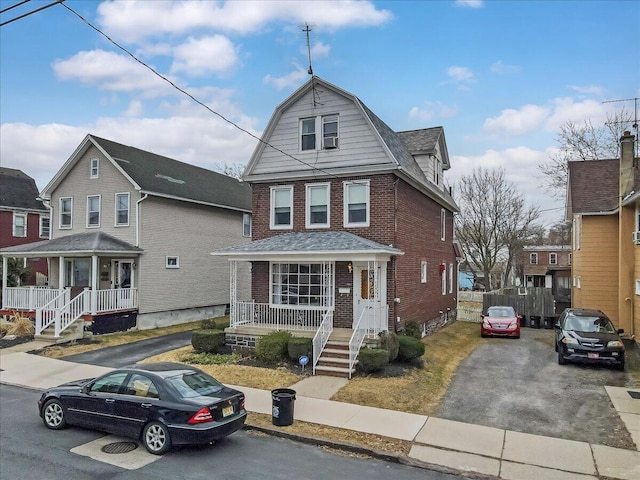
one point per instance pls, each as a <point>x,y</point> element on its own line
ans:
<point>131,233</point>
<point>23,218</point>
<point>603,202</point>
<point>352,224</point>
<point>549,266</point>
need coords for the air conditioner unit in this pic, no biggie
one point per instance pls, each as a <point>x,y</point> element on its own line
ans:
<point>330,142</point>
<point>636,238</point>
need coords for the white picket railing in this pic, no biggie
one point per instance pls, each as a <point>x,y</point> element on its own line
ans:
<point>27,298</point>
<point>356,340</point>
<point>72,311</point>
<point>50,312</point>
<point>115,299</point>
<point>277,317</point>
<point>322,336</point>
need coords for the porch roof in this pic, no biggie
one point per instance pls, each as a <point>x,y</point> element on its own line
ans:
<point>314,245</point>
<point>90,243</point>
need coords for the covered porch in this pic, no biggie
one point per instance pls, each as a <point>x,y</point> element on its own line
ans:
<point>310,283</point>
<point>91,275</point>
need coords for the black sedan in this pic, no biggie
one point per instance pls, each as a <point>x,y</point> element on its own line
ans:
<point>587,335</point>
<point>162,404</point>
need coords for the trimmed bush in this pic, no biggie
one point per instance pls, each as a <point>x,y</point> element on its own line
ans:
<point>273,347</point>
<point>207,341</point>
<point>214,324</point>
<point>299,346</point>
<point>410,348</point>
<point>412,329</point>
<point>389,342</point>
<point>372,359</point>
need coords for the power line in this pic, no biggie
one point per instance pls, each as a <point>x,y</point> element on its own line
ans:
<point>181,90</point>
<point>14,6</point>
<point>28,13</point>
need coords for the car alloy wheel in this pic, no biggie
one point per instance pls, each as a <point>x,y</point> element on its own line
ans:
<point>561,359</point>
<point>53,415</point>
<point>155,438</point>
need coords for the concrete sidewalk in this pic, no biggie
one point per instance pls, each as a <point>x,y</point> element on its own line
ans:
<point>465,447</point>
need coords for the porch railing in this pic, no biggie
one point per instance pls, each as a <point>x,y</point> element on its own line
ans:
<point>116,299</point>
<point>50,312</point>
<point>27,298</point>
<point>277,317</point>
<point>372,321</point>
<point>356,341</point>
<point>322,336</point>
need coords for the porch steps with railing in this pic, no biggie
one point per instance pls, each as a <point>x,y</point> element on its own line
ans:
<point>73,332</point>
<point>334,360</point>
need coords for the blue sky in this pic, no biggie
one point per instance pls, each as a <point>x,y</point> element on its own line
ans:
<point>499,76</point>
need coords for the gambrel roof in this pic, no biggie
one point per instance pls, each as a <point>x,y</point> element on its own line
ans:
<point>399,147</point>
<point>19,191</point>
<point>162,176</point>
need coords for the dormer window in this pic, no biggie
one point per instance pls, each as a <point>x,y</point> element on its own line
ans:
<point>311,127</point>
<point>95,168</point>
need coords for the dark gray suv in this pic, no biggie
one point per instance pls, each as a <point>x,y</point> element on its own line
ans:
<point>586,335</point>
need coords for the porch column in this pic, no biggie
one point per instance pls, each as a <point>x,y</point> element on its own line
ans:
<point>61,268</point>
<point>5,266</point>
<point>94,284</point>
<point>233,285</point>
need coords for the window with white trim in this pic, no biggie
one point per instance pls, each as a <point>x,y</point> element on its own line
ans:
<point>317,205</point>
<point>19,225</point>
<point>356,204</point>
<point>451,278</point>
<point>577,232</point>
<point>246,224</point>
<point>45,226</point>
<point>423,272</point>
<point>443,275</point>
<point>172,262</point>
<point>282,207</point>
<point>569,258</point>
<point>308,284</point>
<point>579,285</point>
<point>533,258</point>
<point>122,209</point>
<point>93,211</point>
<point>307,134</point>
<point>443,224</point>
<point>95,168</point>
<point>637,286</point>
<point>329,132</point>
<point>553,258</point>
<point>66,210</point>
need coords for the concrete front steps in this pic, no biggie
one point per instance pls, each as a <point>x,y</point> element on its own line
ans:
<point>72,333</point>
<point>334,360</point>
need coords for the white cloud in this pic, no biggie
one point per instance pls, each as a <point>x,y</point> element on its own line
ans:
<point>501,68</point>
<point>566,109</point>
<point>320,50</point>
<point>122,75</point>
<point>291,79</point>
<point>133,20</point>
<point>135,109</point>
<point>517,122</point>
<point>198,57</point>
<point>433,110</point>
<point>469,3</point>
<point>460,74</point>
<point>587,90</point>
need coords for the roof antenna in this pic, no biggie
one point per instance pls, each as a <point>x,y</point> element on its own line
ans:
<point>307,30</point>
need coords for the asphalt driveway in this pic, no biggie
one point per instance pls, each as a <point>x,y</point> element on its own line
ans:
<point>518,385</point>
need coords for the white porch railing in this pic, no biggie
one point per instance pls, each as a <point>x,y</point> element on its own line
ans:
<point>322,336</point>
<point>277,317</point>
<point>372,321</point>
<point>356,341</point>
<point>116,299</point>
<point>50,312</point>
<point>27,298</point>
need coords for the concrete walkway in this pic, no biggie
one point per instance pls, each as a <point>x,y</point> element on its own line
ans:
<point>465,447</point>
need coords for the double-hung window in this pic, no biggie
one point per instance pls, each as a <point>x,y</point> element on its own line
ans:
<point>66,210</point>
<point>553,258</point>
<point>44,226</point>
<point>423,271</point>
<point>356,204</point>
<point>246,224</point>
<point>20,225</point>
<point>330,132</point>
<point>319,133</point>
<point>93,211</point>
<point>122,209</point>
<point>308,134</point>
<point>443,224</point>
<point>317,201</point>
<point>95,168</point>
<point>282,207</point>
<point>533,258</point>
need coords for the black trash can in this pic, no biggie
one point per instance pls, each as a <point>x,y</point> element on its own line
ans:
<point>549,322</point>
<point>524,322</point>
<point>534,321</point>
<point>282,406</point>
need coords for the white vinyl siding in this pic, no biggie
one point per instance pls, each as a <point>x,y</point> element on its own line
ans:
<point>93,211</point>
<point>356,204</point>
<point>281,216</point>
<point>20,225</point>
<point>317,205</point>
<point>122,209</point>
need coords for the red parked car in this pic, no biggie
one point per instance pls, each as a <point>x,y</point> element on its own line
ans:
<point>500,321</point>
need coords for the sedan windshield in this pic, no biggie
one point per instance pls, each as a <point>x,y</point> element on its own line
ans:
<point>506,312</point>
<point>589,324</point>
<point>195,384</point>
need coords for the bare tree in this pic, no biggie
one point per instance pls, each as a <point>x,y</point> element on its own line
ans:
<point>234,170</point>
<point>584,142</point>
<point>494,221</point>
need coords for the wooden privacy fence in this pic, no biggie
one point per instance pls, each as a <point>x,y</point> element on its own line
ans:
<point>528,302</point>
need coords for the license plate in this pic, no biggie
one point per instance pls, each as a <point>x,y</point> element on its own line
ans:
<point>228,410</point>
<point>593,355</point>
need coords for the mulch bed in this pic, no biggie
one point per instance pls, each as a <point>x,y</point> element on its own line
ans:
<point>12,340</point>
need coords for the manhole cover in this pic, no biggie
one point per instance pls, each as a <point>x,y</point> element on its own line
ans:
<point>634,394</point>
<point>120,447</point>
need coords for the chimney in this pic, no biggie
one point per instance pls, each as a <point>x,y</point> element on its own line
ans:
<point>627,174</point>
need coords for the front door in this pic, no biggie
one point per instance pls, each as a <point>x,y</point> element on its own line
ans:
<point>369,294</point>
<point>121,279</point>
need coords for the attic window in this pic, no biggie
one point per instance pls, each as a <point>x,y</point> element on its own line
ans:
<point>308,134</point>
<point>95,168</point>
<point>330,132</point>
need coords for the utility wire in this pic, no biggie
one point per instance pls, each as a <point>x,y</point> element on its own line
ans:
<point>181,90</point>
<point>28,13</point>
<point>14,6</point>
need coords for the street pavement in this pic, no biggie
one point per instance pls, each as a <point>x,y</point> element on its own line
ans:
<point>436,442</point>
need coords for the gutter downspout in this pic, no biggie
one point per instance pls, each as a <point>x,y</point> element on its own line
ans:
<point>395,258</point>
<point>47,203</point>
<point>138,218</point>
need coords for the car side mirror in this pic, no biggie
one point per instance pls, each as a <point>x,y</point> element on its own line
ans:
<point>621,330</point>
<point>86,389</point>
<point>482,315</point>
<point>557,326</point>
